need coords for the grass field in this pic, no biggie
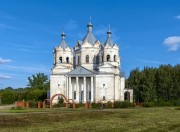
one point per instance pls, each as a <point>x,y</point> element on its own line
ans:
<point>135,119</point>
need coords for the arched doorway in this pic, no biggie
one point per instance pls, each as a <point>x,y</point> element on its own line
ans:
<point>59,95</point>
<point>127,96</point>
<point>45,102</point>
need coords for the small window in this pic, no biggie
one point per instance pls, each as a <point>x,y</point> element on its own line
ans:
<point>82,96</point>
<point>97,59</point>
<point>108,57</point>
<point>87,58</point>
<point>89,95</point>
<point>78,59</point>
<point>74,94</point>
<point>114,57</point>
<point>67,59</point>
<point>60,60</point>
<point>104,98</point>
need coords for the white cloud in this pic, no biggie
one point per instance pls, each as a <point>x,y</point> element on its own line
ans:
<point>177,17</point>
<point>149,61</point>
<point>173,43</point>
<point>4,60</point>
<point>4,77</point>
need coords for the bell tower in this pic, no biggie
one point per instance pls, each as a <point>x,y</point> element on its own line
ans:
<point>63,57</point>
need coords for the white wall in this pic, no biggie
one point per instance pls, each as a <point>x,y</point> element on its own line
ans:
<point>109,92</point>
<point>57,85</point>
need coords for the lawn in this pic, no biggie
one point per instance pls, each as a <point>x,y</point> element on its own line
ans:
<point>135,119</point>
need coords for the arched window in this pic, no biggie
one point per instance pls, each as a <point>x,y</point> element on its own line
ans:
<point>78,59</point>
<point>114,57</point>
<point>82,96</point>
<point>60,60</point>
<point>67,59</point>
<point>89,95</point>
<point>97,59</point>
<point>74,94</point>
<point>87,58</point>
<point>108,57</point>
<point>102,58</point>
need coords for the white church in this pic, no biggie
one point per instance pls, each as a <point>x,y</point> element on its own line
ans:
<point>90,72</point>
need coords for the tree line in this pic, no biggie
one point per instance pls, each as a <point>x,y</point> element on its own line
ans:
<point>155,84</point>
<point>36,90</point>
<point>149,85</point>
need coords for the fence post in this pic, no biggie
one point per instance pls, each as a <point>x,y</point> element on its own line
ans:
<point>74,105</point>
<point>27,104</point>
<point>39,104</point>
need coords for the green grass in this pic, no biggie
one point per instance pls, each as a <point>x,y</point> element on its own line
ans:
<point>134,119</point>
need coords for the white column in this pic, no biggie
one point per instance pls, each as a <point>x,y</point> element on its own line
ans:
<point>67,88</point>
<point>85,90</point>
<point>77,89</point>
<point>92,90</point>
<point>70,88</point>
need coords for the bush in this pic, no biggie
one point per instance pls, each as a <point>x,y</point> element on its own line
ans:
<point>108,104</point>
<point>80,105</point>
<point>176,102</point>
<point>59,105</point>
<point>123,104</point>
<point>96,105</point>
<point>33,104</point>
<point>149,104</point>
<point>70,105</point>
<point>165,103</point>
<point>8,96</point>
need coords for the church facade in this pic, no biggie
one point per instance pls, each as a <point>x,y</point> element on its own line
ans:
<point>90,72</point>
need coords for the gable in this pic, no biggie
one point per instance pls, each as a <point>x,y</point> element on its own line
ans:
<point>81,71</point>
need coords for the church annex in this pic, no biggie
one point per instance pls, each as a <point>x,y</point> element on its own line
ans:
<point>90,72</point>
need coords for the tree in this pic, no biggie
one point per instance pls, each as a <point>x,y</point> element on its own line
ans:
<point>8,96</point>
<point>36,94</point>
<point>155,84</point>
<point>39,81</point>
<point>38,86</point>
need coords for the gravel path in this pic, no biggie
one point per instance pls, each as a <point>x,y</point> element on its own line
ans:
<point>6,106</point>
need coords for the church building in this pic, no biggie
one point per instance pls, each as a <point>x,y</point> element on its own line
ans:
<point>90,72</point>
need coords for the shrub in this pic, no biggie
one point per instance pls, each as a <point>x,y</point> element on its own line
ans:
<point>80,105</point>
<point>123,104</point>
<point>96,105</point>
<point>70,105</point>
<point>33,104</point>
<point>165,103</point>
<point>59,105</point>
<point>149,104</point>
<point>176,102</point>
<point>108,104</point>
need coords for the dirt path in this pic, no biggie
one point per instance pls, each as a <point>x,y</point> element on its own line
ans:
<point>6,106</point>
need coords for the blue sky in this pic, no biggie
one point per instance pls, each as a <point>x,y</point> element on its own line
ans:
<point>147,32</point>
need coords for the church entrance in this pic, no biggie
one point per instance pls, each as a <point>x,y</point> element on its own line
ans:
<point>127,96</point>
<point>51,99</point>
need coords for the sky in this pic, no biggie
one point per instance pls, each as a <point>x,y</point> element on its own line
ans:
<point>146,31</point>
